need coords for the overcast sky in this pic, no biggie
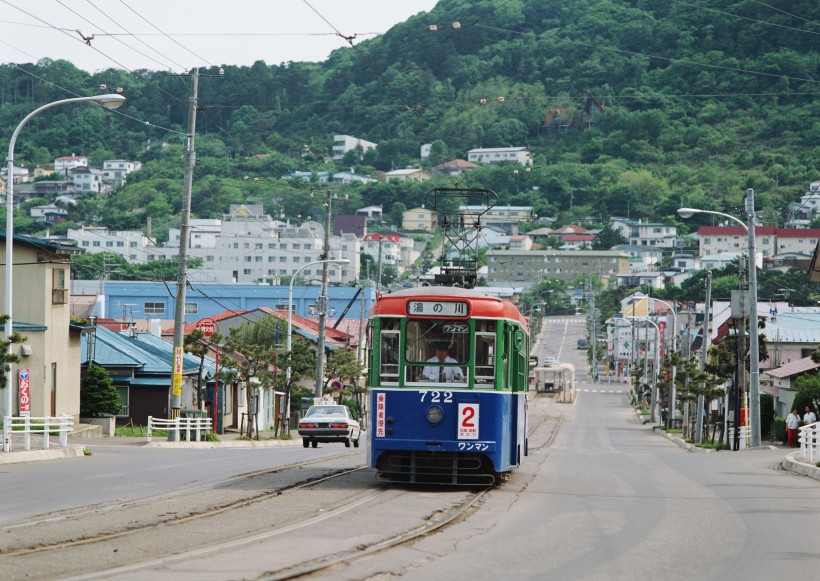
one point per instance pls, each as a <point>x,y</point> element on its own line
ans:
<point>134,34</point>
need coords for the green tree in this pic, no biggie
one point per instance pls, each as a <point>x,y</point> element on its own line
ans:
<point>342,363</point>
<point>607,238</point>
<point>8,357</point>
<point>98,396</point>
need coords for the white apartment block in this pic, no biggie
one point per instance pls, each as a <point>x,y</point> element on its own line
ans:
<point>720,239</point>
<point>388,245</point>
<point>495,155</point>
<point>344,143</point>
<point>247,246</point>
<point>116,170</point>
<point>133,246</point>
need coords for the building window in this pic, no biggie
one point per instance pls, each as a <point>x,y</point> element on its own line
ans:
<point>59,292</point>
<point>247,259</point>
<point>209,258</point>
<point>191,308</point>
<point>247,271</point>
<point>122,390</point>
<point>153,308</point>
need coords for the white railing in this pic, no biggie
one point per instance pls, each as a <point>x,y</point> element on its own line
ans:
<point>807,436</point>
<point>25,426</point>
<point>743,441</point>
<point>199,427</point>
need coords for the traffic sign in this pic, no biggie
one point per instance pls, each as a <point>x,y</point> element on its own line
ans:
<point>207,326</point>
<point>335,385</point>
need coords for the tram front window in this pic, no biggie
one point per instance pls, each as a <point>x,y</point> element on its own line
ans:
<point>443,348</point>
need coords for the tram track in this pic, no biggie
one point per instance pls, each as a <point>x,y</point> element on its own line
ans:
<point>37,524</point>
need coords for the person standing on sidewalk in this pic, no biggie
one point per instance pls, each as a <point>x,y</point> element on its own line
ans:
<point>809,417</point>
<point>792,421</point>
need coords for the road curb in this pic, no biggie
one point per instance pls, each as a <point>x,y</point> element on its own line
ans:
<point>789,463</point>
<point>37,455</point>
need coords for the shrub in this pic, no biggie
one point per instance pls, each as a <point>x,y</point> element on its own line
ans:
<point>98,396</point>
<point>780,430</point>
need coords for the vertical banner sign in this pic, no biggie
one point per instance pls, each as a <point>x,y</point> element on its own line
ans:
<point>468,421</point>
<point>24,385</point>
<point>381,411</point>
<point>176,387</point>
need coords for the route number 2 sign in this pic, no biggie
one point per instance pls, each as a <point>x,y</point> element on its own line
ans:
<point>468,421</point>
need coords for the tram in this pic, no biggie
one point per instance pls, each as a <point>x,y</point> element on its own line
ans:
<point>448,380</point>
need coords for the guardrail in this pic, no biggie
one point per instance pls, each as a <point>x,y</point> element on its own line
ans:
<point>200,427</point>
<point>807,436</point>
<point>25,426</point>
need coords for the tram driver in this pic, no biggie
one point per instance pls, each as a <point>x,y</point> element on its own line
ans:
<point>440,373</point>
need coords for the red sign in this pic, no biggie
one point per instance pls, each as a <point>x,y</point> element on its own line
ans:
<point>207,326</point>
<point>24,384</point>
<point>468,421</point>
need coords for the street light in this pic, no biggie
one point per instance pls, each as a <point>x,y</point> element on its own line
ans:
<point>290,324</point>
<point>754,349</point>
<point>109,101</point>
<point>653,402</point>
<point>672,392</point>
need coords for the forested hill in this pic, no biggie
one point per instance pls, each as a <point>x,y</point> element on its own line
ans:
<point>694,102</point>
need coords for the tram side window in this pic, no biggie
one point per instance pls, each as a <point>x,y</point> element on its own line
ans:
<point>389,352</point>
<point>485,356</point>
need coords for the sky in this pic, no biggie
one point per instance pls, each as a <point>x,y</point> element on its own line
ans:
<point>181,34</point>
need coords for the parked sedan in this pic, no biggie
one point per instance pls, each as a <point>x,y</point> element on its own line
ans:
<point>329,423</point>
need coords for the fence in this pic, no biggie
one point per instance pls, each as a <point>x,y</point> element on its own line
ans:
<point>200,427</point>
<point>25,426</point>
<point>807,436</point>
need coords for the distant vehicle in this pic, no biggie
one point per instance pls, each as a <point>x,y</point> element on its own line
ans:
<point>550,361</point>
<point>582,343</point>
<point>329,423</point>
<point>533,361</point>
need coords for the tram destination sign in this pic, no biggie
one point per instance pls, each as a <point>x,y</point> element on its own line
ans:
<point>438,308</point>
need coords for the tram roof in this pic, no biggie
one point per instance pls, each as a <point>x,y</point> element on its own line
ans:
<point>481,305</point>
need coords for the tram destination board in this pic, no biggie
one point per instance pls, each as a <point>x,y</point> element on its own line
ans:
<point>438,308</point>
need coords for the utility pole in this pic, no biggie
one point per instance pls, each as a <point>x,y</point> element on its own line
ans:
<point>379,269</point>
<point>593,339</point>
<point>179,310</point>
<point>741,353</point>
<point>703,352</point>
<point>754,348</point>
<point>359,350</point>
<point>320,343</point>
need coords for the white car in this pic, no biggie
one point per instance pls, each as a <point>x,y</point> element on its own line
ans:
<point>550,361</point>
<point>329,423</point>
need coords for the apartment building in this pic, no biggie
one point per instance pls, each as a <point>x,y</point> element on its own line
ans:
<point>116,170</point>
<point>527,267</point>
<point>640,233</point>
<point>132,245</point>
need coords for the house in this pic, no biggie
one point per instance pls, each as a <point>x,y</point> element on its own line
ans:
<point>350,177</point>
<point>641,258</point>
<point>412,174</point>
<point>20,174</point>
<point>308,176</point>
<point>49,214</point>
<point>87,179</point>
<point>577,241</point>
<point>781,384</point>
<point>41,310</point>
<point>141,367</point>
<point>344,143</point>
<point>371,212</point>
<point>116,170</point>
<point>520,242</point>
<point>807,209</point>
<point>63,165</point>
<point>43,170</point>
<point>496,155</point>
<point>640,233</point>
<point>652,278</point>
<point>454,167</point>
<point>419,219</point>
<point>350,224</point>
<point>558,120</point>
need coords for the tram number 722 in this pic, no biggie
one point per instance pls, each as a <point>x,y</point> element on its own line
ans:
<point>436,396</point>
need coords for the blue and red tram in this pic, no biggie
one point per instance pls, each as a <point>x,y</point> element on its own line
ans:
<point>447,386</point>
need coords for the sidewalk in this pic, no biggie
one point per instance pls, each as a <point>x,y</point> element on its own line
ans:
<point>78,447</point>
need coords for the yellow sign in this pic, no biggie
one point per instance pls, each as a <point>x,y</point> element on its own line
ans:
<point>176,386</point>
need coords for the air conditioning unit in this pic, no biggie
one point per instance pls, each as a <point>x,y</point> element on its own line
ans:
<point>59,296</point>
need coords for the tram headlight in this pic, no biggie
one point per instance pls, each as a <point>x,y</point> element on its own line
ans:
<point>435,414</point>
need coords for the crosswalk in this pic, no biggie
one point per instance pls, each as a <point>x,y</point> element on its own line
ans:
<point>590,390</point>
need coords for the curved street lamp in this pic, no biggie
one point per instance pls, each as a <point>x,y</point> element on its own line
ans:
<point>109,101</point>
<point>288,371</point>
<point>754,348</point>
<point>672,391</point>
<point>654,401</point>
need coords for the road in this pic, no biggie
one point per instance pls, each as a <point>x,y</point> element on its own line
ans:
<point>601,496</point>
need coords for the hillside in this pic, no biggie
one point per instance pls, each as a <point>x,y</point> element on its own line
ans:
<point>696,103</point>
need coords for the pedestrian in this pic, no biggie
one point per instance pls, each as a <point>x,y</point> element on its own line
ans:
<point>792,421</point>
<point>809,417</point>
